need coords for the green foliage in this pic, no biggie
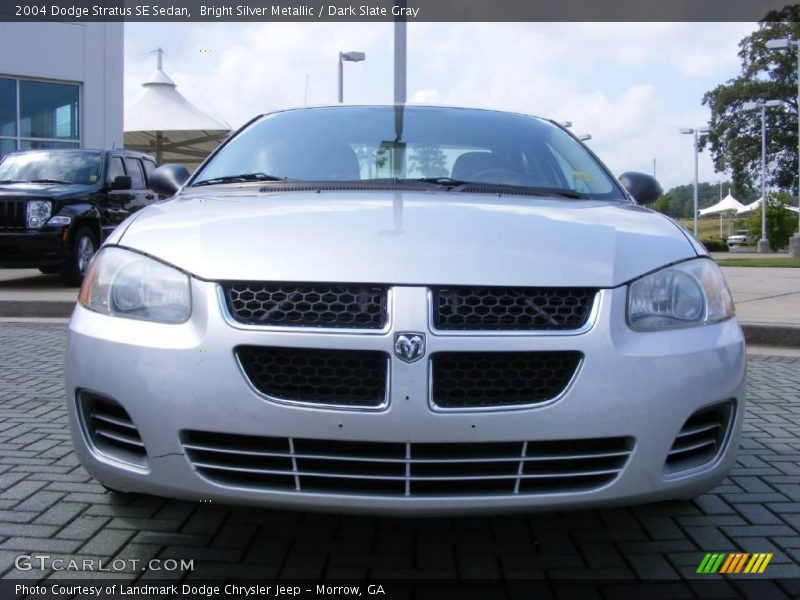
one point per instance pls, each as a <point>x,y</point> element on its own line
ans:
<point>781,222</point>
<point>735,137</point>
<point>714,244</point>
<point>430,161</point>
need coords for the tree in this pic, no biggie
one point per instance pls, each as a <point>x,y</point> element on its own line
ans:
<point>735,136</point>
<point>781,222</point>
<point>430,161</point>
<point>678,202</point>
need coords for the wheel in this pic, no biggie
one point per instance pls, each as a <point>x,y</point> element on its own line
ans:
<point>50,269</point>
<point>83,247</point>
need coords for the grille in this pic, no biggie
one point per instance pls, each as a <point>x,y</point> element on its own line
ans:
<point>492,379</point>
<point>406,469</point>
<point>12,215</point>
<point>511,308</point>
<point>700,439</point>
<point>307,305</point>
<point>336,377</point>
<point>111,429</point>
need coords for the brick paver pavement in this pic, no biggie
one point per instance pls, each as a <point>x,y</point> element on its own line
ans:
<point>49,504</point>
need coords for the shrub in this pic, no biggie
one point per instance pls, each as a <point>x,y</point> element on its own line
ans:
<point>714,244</point>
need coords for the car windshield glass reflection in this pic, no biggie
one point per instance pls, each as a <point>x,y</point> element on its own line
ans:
<point>442,147</point>
<point>52,167</point>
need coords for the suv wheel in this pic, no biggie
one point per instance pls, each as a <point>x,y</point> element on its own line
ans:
<point>83,247</point>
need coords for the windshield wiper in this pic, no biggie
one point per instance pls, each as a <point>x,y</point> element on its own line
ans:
<point>2,181</point>
<point>459,185</point>
<point>239,178</point>
<point>48,181</point>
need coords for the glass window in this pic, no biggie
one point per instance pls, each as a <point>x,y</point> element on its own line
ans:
<point>8,107</point>
<point>115,168</point>
<point>358,143</point>
<point>149,167</point>
<point>68,167</point>
<point>48,110</point>
<point>7,146</point>
<point>135,171</point>
<point>45,144</point>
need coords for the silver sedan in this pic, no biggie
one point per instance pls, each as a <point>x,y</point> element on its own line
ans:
<point>406,310</point>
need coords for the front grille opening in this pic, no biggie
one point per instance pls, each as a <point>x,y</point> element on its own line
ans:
<point>356,378</point>
<point>12,215</point>
<point>406,469</point>
<point>701,438</point>
<point>342,306</point>
<point>492,379</point>
<point>111,429</point>
<point>511,308</point>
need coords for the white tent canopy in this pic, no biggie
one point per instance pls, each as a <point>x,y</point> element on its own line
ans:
<point>750,207</point>
<point>727,204</point>
<point>162,122</point>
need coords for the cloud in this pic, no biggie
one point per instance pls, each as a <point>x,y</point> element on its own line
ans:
<point>631,85</point>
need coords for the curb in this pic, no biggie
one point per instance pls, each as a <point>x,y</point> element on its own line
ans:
<point>784,336</point>
<point>39,308</point>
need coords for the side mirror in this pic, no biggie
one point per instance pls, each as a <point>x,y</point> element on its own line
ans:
<point>166,180</point>
<point>644,188</point>
<point>121,182</point>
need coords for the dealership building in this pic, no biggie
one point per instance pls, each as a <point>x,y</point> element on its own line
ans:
<point>61,85</point>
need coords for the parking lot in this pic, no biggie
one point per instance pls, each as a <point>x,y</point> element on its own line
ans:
<point>48,504</point>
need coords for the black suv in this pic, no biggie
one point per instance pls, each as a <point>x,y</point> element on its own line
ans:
<point>57,206</point>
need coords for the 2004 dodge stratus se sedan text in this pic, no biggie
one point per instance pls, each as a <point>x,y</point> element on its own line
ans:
<point>405,310</point>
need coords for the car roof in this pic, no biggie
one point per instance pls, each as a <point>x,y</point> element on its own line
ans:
<point>409,105</point>
<point>122,151</point>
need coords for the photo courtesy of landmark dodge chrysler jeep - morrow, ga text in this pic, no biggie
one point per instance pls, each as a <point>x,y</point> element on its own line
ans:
<point>405,310</point>
<point>57,206</point>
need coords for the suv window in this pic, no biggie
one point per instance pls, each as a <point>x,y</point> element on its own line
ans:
<point>115,168</point>
<point>134,168</point>
<point>149,167</point>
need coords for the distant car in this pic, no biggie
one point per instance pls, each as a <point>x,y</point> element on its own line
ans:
<point>740,237</point>
<point>406,310</point>
<point>58,206</point>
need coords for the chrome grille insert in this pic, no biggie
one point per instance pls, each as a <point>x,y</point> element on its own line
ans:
<point>700,439</point>
<point>111,429</point>
<point>511,308</point>
<point>345,378</point>
<point>318,305</point>
<point>406,469</point>
<point>463,380</point>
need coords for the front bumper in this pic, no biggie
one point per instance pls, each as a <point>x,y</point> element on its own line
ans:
<point>32,248</point>
<point>175,378</point>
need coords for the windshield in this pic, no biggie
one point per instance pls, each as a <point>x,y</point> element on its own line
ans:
<point>440,145</point>
<point>62,167</point>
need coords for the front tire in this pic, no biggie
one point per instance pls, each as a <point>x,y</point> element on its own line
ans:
<point>82,248</point>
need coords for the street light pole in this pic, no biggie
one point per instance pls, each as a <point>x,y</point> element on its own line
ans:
<point>763,243</point>
<point>349,57</point>
<point>786,44</point>
<point>695,132</point>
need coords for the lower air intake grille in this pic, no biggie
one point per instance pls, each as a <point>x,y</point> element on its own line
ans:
<point>333,377</point>
<point>503,308</point>
<point>493,379</point>
<point>341,306</point>
<point>111,429</point>
<point>700,439</point>
<point>406,469</point>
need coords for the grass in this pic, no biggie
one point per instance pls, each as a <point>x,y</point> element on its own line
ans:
<point>709,227</point>
<point>759,262</point>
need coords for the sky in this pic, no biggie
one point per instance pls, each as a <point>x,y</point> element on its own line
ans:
<point>632,86</point>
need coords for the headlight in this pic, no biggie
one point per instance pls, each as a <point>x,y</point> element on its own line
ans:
<point>127,284</point>
<point>60,220</point>
<point>689,293</point>
<point>37,213</point>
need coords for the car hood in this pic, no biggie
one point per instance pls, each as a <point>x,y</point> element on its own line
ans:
<point>43,190</point>
<point>406,238</point>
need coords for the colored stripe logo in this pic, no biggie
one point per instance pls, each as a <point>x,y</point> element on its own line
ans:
<point>734,562</point>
